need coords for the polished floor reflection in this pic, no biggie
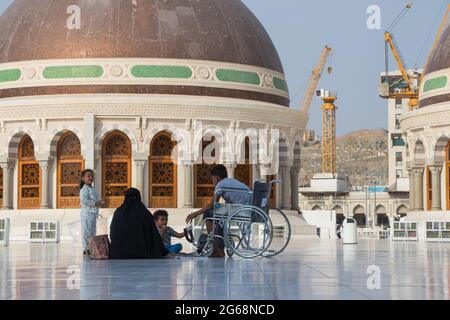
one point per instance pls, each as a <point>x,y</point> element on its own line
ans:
<point>309,269</point>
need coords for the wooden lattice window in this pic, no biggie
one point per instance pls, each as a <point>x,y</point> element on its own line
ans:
<point>204,187</point>
<point>116,168</point>
<point>243,171</point>
<point>163,172</point>
<point>29,175</point>
<point>429,188</point>
<point>70,165</point>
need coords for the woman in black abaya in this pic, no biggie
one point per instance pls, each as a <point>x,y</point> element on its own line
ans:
<point>133,231</point>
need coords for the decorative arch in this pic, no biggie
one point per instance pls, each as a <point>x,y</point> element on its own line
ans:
<point>316,208</point>
<point>116,167</point>
<point>69,166</point>
<point>419,151</point>
<point>217,135</point>
<point>180,138</point>
<point>29,175</point>
<point>106,131</point>
<point>163,171</point>
<point>359,214</point>
<point>14,139</point>
<point>60,133</point>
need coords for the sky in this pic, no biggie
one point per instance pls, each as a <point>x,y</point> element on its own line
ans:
<point>300,29</point>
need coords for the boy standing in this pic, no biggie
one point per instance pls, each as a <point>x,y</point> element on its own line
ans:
<point>166,232</point>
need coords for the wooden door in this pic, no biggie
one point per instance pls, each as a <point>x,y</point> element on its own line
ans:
<point>29,176</point>
<point>70,165</point>
<point>116,168</point>
<point>163,172</point>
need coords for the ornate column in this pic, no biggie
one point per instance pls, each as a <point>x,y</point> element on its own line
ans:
<point>286,185</point>
<point>412,204</point>
<point>256,172</point>
<point>140,175</point>
<point>44,167</point>
<point>188,184</point>
<point>436,187</point>
<point>7,168</point>
<point>295,171</point>
<point>418,188</point>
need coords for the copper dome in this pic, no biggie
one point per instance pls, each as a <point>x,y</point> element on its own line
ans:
<point>214,30</point>
<point>439,59</point>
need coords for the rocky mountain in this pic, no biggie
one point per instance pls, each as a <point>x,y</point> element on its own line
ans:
<point>362,156</point>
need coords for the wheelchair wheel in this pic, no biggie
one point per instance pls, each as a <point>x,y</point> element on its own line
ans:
<point>232,241</point>
<point>252,227</point>
<point>281,234</point>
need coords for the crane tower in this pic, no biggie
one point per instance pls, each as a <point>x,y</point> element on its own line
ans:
<point>329,153</point>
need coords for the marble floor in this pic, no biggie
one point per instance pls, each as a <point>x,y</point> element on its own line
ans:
<point>308,269</point>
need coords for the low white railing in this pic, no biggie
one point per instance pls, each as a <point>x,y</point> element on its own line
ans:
<point>4,232</point>
<point>44,231</point>
<point>438,231</point>
<point>406,231</point>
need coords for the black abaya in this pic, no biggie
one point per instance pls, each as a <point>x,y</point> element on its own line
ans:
<point>133,231</point>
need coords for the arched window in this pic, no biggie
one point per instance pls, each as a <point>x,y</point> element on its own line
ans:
<point>163,172</point>
<point>360,216</point>
<point>116,168</point>
<point>204,188</point>
<point>70,165</point>
<point>29,175</point>
<point>243,171</point>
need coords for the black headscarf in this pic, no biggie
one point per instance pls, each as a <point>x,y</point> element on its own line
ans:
<point>133,231</point>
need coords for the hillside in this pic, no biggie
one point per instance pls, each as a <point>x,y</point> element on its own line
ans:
<point>360,156</point>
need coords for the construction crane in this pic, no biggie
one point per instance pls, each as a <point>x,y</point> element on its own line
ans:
<point>329,154</point>
<point>314,78</point>
<point>411,81</point>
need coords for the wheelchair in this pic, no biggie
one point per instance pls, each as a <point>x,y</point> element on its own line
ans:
<point>246,230</point>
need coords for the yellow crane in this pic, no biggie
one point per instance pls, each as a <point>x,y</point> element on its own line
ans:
<point>328,113</point>
<point>410,90</point>
<point>329,153</point>
<point>314,78</point>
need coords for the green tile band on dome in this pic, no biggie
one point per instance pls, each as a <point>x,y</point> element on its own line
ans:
<point>71,72</point>
<point>435,83</point>
<point>237,76</point>
<point>177,72</point>
<point>280,84</point>
<point>10,75</point>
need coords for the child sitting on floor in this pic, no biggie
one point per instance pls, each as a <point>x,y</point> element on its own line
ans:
<point>166,232</point>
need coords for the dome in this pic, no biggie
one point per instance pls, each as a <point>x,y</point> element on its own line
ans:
<point>206,30</point>
<point>435,86</point>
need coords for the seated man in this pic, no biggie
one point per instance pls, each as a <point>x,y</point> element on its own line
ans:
<point>221,181</point>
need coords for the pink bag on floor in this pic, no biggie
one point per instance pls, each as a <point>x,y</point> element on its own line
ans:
<point>99,247</point>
